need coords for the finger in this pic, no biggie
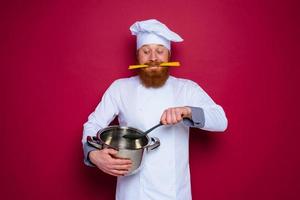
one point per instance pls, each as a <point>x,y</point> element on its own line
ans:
<point>184,111</point>
<point>110,173</point>
<point>117,161</point>
<point>111,151</point>
<point>122,167</point>
<point>125,168</point>
<point>119,172</point>
<point>178,114</point>
<point>173,113</point>
<point>163,118</point>
<point>110,168</point>
<point>169,116</point>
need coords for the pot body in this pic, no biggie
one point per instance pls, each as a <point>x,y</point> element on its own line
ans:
<point>133,149</point>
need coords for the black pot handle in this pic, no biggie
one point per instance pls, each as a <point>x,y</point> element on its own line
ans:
<point>156,143</point>
<point>94,142</point>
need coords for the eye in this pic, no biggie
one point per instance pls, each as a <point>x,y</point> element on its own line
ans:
<point>159,51</point>
<point>146,51</point>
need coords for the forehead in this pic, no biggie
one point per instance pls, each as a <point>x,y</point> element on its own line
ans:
<point>154,46</point>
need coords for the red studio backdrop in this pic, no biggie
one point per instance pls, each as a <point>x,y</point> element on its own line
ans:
<point>58,58</point>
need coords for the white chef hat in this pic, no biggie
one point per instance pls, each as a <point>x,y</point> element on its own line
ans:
<point>153,32</point>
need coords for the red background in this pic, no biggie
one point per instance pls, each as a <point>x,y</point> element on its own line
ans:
<point>58,57</point>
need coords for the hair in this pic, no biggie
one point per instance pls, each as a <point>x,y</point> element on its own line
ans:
<point>154,79</point>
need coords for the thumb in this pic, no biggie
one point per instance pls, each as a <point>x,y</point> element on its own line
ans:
<point>112,151</point>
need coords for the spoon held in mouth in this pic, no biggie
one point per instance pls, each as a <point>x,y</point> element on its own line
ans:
<point>164,64</point>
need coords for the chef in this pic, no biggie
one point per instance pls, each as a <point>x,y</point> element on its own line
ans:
<point>142,101</point>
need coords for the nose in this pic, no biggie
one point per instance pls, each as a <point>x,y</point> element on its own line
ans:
<point>153,56</point>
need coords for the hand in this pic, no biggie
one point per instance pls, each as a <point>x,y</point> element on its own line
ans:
<point>175,115</point>
<point>104,159</point>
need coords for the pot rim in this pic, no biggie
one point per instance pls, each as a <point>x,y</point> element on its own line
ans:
<point>123,128</point>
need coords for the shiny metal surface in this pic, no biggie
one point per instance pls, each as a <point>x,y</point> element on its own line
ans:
<point>114,137</point>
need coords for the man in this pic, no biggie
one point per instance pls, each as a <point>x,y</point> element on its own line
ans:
<point>141,102</point>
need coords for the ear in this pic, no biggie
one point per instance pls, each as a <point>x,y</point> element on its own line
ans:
<point>137,55</point>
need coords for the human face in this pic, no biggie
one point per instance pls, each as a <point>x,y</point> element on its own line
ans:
<point>153,76</point>
<point>152,54</point>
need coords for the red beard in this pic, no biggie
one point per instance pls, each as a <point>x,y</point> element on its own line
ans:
<point>153,78</point>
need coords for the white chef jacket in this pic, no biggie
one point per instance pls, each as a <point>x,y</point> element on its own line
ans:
<point>165,173</point>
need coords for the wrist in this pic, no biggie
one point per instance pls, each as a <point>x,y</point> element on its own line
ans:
<point>188,112</point>
<point>91,156</point>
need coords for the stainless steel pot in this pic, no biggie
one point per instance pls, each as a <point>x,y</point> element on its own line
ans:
<point>133,149</point>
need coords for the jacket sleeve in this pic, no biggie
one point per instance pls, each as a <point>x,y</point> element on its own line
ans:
<point>104,113</point>
<point>86,150</point>
<point>197,120</point>
<point>206,114</point>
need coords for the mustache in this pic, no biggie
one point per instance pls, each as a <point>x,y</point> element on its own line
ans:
<point>153,63</point>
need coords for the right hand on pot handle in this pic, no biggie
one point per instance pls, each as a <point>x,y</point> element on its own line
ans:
<point>174,115</point>
<point>106,161</point>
